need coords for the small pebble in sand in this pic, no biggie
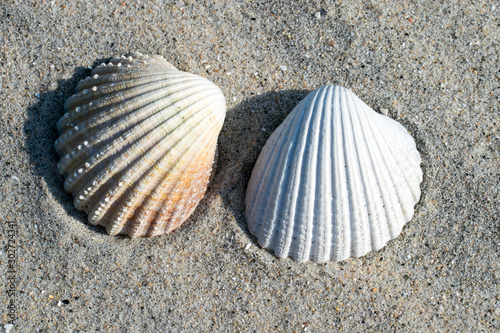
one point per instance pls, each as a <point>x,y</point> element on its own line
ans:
<point>7,327</point>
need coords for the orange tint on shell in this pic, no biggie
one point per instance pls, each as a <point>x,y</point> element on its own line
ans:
<point>176,205</point>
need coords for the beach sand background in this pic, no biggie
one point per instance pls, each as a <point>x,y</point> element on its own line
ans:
<point>432,64</point>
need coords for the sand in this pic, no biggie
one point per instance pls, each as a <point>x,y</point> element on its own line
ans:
<point>432,65</point>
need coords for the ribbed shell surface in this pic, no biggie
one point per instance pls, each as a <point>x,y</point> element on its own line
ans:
<point>137,144</point>
<point>336,179</point>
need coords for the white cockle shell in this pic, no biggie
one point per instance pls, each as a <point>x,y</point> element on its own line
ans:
<point>137,144</point>
<point>336,179</point>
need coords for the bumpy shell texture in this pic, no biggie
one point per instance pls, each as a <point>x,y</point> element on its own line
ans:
<point>336,179</point>
<point>137,144</point>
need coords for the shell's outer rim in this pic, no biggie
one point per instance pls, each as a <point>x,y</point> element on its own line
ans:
<point>252,225</point>
<point>133,63</point>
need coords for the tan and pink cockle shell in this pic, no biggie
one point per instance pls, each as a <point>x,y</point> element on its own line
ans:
<point>137,144</point>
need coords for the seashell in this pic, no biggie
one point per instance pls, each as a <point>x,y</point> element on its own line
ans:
<point>137,144</point>
<point>336,179</point>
